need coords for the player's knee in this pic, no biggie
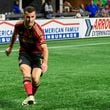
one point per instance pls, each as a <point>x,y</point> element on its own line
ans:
<point>36,83</point>
<point>26,79</point>
<point>25,68</point>
<point>36,79</point>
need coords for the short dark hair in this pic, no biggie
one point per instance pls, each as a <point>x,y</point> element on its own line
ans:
<point>29,9</point>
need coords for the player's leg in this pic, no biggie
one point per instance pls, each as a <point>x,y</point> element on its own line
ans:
<point>36,74</point>
<point>26,71</point>
<point>24,63</point>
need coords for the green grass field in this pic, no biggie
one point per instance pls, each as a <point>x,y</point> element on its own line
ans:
<point>78,77</point>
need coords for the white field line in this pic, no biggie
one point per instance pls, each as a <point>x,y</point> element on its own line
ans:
<point>81,45</point>
<point>68,46</point>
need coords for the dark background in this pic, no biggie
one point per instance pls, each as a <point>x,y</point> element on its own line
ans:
<point>6,5</point>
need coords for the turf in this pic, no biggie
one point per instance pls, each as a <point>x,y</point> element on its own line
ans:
<point>78,77</point>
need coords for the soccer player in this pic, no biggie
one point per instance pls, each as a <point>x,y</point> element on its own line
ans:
<point>33,52</point>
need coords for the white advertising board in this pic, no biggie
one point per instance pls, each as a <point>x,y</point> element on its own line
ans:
<point>58,29</point>
<point>96,27</point>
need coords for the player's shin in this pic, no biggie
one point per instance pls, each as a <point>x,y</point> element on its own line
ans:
<point>28,86</point>
<point>35,87</point>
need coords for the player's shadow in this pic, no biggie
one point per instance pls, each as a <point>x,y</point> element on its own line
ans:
<point>7,104</point>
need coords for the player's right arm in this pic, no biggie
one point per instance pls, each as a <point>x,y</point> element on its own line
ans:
<point>14,37</point>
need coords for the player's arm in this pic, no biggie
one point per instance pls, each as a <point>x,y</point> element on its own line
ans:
<point>45,58</point>
<point>45,53</point>
<point>43,44</point>
<point>8,50</point>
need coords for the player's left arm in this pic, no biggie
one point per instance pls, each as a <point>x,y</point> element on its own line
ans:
<point>37,28</point>
<point>45,58</point>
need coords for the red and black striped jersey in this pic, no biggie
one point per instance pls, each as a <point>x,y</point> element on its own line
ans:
<point>30,39</point>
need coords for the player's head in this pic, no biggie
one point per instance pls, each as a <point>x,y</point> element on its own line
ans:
<point>29,16</point>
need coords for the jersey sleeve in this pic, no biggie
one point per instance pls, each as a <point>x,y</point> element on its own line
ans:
<point>40,33</point>
<point>18,26</point>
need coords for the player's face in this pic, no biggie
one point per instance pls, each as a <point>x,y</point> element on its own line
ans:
<point>29,18</point>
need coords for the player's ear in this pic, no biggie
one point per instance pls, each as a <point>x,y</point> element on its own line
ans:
<point>23,15</point>
<point>36,14</point>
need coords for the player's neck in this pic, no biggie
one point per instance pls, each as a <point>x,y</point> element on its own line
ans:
<point>27,26</point>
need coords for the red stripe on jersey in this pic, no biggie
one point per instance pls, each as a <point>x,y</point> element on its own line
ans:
<point>39,33</point>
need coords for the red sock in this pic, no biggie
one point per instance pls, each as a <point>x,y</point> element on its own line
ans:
<point>34,89</point>
<point>28,87</point>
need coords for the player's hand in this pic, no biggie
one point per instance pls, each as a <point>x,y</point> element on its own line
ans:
<point>8,51</point>
<point>44,67</point>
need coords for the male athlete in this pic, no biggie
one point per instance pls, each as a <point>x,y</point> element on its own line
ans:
<point>33,52</point>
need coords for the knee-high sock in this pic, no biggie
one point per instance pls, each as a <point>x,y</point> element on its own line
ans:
<point>28,87</point>
<point>34,88</point>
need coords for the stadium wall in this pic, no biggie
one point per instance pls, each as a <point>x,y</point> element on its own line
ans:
<point>5,6</point>
<point>65,28</point>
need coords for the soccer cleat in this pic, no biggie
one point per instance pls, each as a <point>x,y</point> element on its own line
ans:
<point>25,102</point>
<point>31,100</point>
